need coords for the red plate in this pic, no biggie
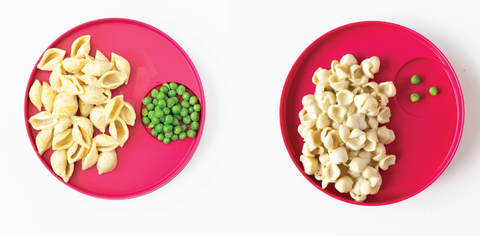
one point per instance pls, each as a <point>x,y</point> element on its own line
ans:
<point>427,132</point>
<point>144,163</point>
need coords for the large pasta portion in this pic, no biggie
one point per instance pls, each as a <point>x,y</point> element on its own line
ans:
<point>343,127</point>
<point>76,102</point>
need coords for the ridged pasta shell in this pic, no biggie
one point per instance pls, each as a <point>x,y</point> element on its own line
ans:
<point>379,153</point>
<point>63,124</point>
<point>60,165</point>
<point>54,79</point>
<point>35,94</point>
<point>345,97</point>
<point>344,184</point>
<point>74,65</point>
<point>100,56</point>
<point>313,138</point>
<point>71,85</point>
<point>76,152</point>
<point>80,47</point>
<point>84,108</point>
<point>48,96</point>
<point>332,172</point>
<point>310,164</point>
<point>92,95</point>
<point>42,120</point>
<point>107,161</point>
<point>357,165</point>
<point>105,143</point>
<point>356,139</point>
<point>338,155</point>
<point>388,88</point>
<point>97,67</point>
<point>384,115</point>
<point>65,105</point>
<point>385,135</point>
<point>321,76</point>
<point>113,108</point>
<point>337,113</point>
<point>51,57</point>
<point>43,141</point>
<point>89,80</point>
<point>119,131</point>
<point>112,79</point>
<point>97,116</point>
<point>82,131</point>
<point>91,158</point>
<point>128,114</point>
<point>62,140</point>
<point>386,162</point>
<point>121,64</point>
<point>348,60</point>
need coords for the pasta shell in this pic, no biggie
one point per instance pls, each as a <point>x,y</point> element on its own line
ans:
<point>91,158</point>
<point>308,119</point>
<point>119,131</point>
<point>128,114</point>
<point>121,64</point>
<point>35,94</point>
<point>71,85</point>
<point>54,78</point>
<point>385,135</point>
<point>332,172</point>
<point>113,108</point>
<point>48,96</point>
<point>384,115</point>
<point>310,164</point>
<point>313,138</point>
<point>89,80</point>
<point>62,140</point>
<point>51,58</point>
<point>105,143</point>
<point>344,184</point>
<point>74,65</point>
<point>107,161</point>
<point>112,79</point>
<point>100,56</point>
<point>65,105</point>
<point>63,124</point>
<point>82,131</point>
<point>76,152</point>
<point>92,95</point>
<point>108,93</point>
<point>81,47</point>
<point>388,88</point>
<point>357,165</point>
<point>43,140</point>
<point>338,155</point>
<point>321,76</point>
<point>323,121</point>
<point>348,60</point>
<point>42,120</point>
<point>356,139</point>
<point>84,108</point>
<point>337,113</point>
<point>386,162</point>
<point>97,67</point>
<point>345,97</point>
<point>60,165</point>
<point>97,116</point>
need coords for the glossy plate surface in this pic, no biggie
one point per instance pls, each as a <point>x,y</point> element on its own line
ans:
<point>427,132</point>
<point>144,163</point>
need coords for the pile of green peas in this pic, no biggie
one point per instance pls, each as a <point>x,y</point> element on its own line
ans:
<point>171,113</point>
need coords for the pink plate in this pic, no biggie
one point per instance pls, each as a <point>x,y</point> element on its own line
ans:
<point>144,163</point>
<point>427,132</point>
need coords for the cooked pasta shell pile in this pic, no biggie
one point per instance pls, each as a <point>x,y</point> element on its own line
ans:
<point>77,100</point>
<point>342,125</point>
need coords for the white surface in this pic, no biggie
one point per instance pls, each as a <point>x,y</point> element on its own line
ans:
<point>241,180</point>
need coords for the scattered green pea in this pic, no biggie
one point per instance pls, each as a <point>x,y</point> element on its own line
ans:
<point>191,133</point>
<point>145,120</point>
<point>166,140</point>
<point>150,106</point>
<point>415,97</point>
<point>161,136</point>
<point>173,86</point>
<point>164,90</point>
<point>154,93</point>
<point>182,135</point>
<point>151,125</point>
<point>186,96</point>
<point>195,116</point>
<point>193,100</point>
<point>160,95</point>
<point>197,107</point>
<point>154,132</point>
<point>172,93</point>
<point>415,79</point>
<point>195,125</point>
<point>180,90</point>
<point>162,103</point>
<point>174,137</point>
<point>168,119</point>
<point>147,100</point>
<point>433,91</point>
<point>159,128</point>
<point>144,112</point>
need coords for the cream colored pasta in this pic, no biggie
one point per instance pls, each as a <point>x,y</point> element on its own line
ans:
<point>65,105</point>
<point>51,58</point>
<point>42,120</point>
<point>112,79</point>
<point>342,125</point>
<point>35,94</point>
<point>60,165</point>
<point>44,140</point>
<point>122,65</point>
<point>48,96</point>
<point>107,161</point>
<point>113,108</point>
<point>91,158</point>
<point>81,47</point>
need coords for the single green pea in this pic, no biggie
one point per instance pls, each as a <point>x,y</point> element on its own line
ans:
<point>164,90</point>
<point>145,120</point>
<point>162,103</point>
<point>174,137</point>
<point>175,100</point>
<point>184,127</point>
<point>159,128</point>
<point>191,133</point>
<point>197,107</point>
<point>154,93</point>
<point>190,110</point>
<point>169,134</point>
<point>151,125</point>
<point>178,117</point>
<point>166,110</point>
<point>176,109</point>
<point>147,100</point>
<point>415,79</point>
<point>150,106</point>
<point>172,93</point>
<point>154,132</point>
<point>167,128</point>
<point>195,116</point>
<point>187,120</point>
<point>167,85</point>
<point>415,97</point>
<point>144,112</point>
<point>170,102</point>
<point>168,119</point>
<point>160,95</point>
<point>160,137</point>
<point>184,104</point>
<point>182,135</point>
<point>180,90</point>
<point>186,96</point>
<point>184,112</point>
<point>433,91</point>
<point>155,102</point>
<point>175,121</point>
<point>155,120</point>
<point>166,140</point>
<point>177,129</point>
<point>158,113</point>
<point>162,119</point>
<point>173,85</point>
<point>151,114</point>
<point>193,100</point>
<point>195,125</point>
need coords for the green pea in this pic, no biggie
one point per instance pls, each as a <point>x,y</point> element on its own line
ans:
<point>150,106</point>
<point>197,107</point>
<point>145,120</point>
<point>147,100</point>
<point>170,102</point>
<point>162,103</point>
<point>174,137</point>
<point>195,125</point>
<point>160,95</point>
<point>175,100</point>
<point>151,114</point>
<point>169,134</point>
<point>173,86</point>
<point>191,133</point>
<point>166,85</point>
<point>415,79</point>
<point>155,102</point>
<point>193,100</point>
<point>184,127</point>
<point>155,120</point>
<point>151,125</point>
<point>164,90</point>
<point>154,93</point>
<point>184,104</point>
<point>178,117</point>
<point>166,110</point>
<point>159,128</point>
<point>176,109</point>
<point>181,90</point>
<point>168,119</point>
<point>172,93</point>
<point>158,113</point>
<point>167,128</point>
<point>144,112</point>
<point>195,116</point>
<point>154,132</point>
<point>166,140</point>
<point>162,119</point>
<point>433,91</point>
<point>160,137</point>
<point>177,129</point>
<point>415,97</point>
<point>187,120</point>
<point>175,121</point>
<point>184,112</point>
<point>190,110</point>
<point>182,136</point>
<point>186,96</point>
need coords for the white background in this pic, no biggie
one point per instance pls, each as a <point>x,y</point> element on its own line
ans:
<point>241,180</point>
